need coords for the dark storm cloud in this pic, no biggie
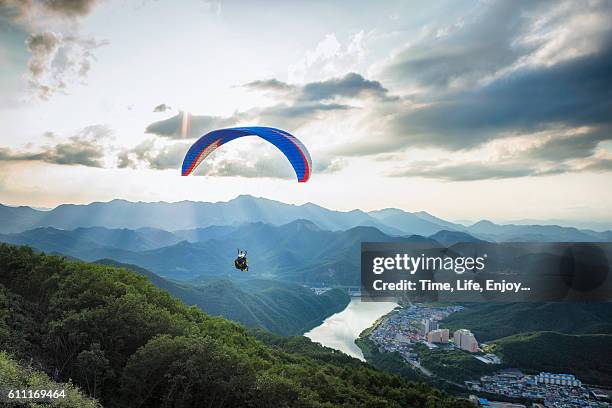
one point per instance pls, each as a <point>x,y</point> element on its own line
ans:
<point>270,85</point>
<point>301,105</point>
<point>570,147</point>
<point>298,111</point>
<point>477,46</point>
<point>599,165</point>
<point>573,93</point>
<point>70,8</point>
<point>187,126</point>
<point>83,149</point>
<point>161,108</point>
<point>577,92</point>
<point>351,85</point>
<point>294,116</point>
<point>59,8</point>
<point>509,69</point>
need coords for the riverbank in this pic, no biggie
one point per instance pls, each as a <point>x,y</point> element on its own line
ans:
<point>340,330</point>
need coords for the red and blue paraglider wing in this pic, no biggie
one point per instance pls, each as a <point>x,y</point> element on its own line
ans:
<point>291,147</point>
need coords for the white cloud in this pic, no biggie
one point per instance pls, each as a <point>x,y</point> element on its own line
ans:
<point>328,58</point>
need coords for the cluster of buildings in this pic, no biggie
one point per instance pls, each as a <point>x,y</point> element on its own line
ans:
<point>462,338</point>
<point>413,324</point>
<point>410,325</point>
<point>544,389</point>
<point>405,327</point>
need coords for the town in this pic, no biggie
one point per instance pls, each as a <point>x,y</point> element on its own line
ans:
<point>418,324</point>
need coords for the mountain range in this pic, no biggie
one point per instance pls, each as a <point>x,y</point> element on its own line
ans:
<point>189,215</point>
<point>323,248</point>
<point>187,248</point>
<point>298,251</point>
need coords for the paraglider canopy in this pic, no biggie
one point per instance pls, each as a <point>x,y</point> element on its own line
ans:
<point>288,144</point>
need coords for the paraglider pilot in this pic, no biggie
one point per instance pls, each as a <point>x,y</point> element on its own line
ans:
<point>241,262</point>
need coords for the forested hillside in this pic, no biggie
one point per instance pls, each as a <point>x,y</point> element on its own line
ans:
<point>557,337</point>
<point>489,321</point>
<point>281,307</point>
<point>588,356</point>
<point>130,344</point>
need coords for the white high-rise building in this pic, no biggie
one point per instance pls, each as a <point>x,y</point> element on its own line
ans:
<point>428,325</point>
<point>465,340</point>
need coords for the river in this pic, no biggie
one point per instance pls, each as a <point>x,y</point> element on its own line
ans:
<point>340,330</point>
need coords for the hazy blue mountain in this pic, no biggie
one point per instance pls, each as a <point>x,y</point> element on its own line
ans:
<point>53,240</point>
<point>340,263</point>
<point>15,219</point>
<point>452,237</point>
<point>200,221</point>
<point>203,234</point>
<point>93,238</point>
<point>281,307</point>
<point>580,224</point>
<point>298,251</point>
<point>184,215</point>
<point>536,233</point>
<point>420,223</point>
<point>452,226</point>
<point>133,240</point>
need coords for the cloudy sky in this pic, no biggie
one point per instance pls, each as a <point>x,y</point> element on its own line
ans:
<point>465,109</point>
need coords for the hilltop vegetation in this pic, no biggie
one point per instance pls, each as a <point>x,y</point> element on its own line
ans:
<point>556,337</point>
<point>130,344</point>
<point>14,376</point>
<point>392,362</point>
<point>455,365</point>
<point>589,357</point>
<point>490,321</point>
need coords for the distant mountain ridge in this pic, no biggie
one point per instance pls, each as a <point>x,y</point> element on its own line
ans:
<point>298,251</point>
<point>190,215</point>
<point>183,215</point>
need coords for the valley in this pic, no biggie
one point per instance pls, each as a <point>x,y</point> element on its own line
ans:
<point>302,260</point>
